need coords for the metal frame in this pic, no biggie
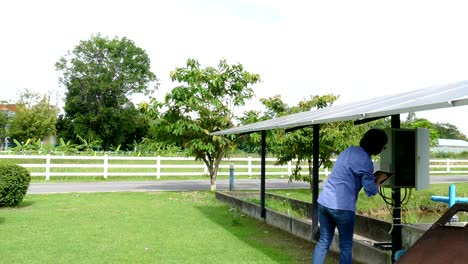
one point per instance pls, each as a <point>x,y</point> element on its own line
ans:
<point>430,98</point>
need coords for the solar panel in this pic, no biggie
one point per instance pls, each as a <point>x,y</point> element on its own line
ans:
<point>434,97</point>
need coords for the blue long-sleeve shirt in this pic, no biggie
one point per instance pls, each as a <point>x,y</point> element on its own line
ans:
<point>353,170</point>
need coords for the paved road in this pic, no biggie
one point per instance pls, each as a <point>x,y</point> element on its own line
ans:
<point>142,186</point>
<point>449,179</point>
<point>188,185</point>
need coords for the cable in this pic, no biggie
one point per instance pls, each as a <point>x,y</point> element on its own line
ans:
<point>409,196</point>
<point>387,200</point>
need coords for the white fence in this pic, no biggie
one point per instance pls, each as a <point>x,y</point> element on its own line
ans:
<point>448,166</point>
<point>104,166</point>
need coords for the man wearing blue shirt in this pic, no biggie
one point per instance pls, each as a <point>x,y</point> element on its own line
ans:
<point>353,170</point>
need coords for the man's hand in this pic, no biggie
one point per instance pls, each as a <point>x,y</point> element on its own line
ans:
<point>380,176</point>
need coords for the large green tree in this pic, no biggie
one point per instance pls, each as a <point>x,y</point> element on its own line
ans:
<point>297,145</point>
<point>100,76</point>
<point>449,131</point>
<point>413,122</point>
<point>34,119</point>
<point>204,102</point>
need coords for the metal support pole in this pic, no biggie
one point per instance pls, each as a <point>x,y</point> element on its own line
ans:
<point>231,177</point>
<point>315,180</point>
<point>396,197</point>
<point>262,172</point>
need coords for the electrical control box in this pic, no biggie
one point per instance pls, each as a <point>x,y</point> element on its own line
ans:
<point>406,156</point>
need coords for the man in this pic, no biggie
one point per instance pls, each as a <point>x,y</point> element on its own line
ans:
<point>352,171</point>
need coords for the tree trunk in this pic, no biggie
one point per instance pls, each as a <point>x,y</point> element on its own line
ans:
<point>213,169</point>
<point>212,180</point>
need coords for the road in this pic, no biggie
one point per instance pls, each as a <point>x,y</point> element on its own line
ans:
<point>188,185</point>
<point>143,186</point>
<point>449,179</point>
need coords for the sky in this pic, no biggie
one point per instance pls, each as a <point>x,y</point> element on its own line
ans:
<point>354,49</point>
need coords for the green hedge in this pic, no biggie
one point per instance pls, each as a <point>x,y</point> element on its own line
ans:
<point>14,183</point>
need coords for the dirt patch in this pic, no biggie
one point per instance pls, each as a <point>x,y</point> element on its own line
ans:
<point>299,249</point>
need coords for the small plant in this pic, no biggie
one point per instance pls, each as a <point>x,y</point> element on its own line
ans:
<point>235,216</point>
<point>411,217</point>
<point>88,146</point>
<point>22,147</point>
<point>65,148</point>
<point>14,182</point>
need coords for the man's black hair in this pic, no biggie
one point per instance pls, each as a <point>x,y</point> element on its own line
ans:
<point>373,141</point>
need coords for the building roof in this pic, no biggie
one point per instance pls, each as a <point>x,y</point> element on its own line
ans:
<point>8,107</point>
<point>435,97</point>
<point>452,143</point>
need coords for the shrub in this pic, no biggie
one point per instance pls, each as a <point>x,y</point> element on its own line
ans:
<point>14,182</point>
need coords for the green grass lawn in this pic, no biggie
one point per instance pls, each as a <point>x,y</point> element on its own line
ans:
<point>158,227</point>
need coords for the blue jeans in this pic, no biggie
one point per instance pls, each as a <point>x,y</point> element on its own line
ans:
<point>329,219</point>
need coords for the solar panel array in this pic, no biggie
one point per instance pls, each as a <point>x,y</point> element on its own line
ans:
<point>435,97</point>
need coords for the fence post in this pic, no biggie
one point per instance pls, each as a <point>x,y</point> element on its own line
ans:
<point>289,168</point>
<point>249,167</point>
<point>106,163</point>
<point>47,169</point>
<point>158,167</point>
<point>448,166</point>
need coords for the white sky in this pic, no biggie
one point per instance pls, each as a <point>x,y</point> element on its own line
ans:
<point>355,49</point>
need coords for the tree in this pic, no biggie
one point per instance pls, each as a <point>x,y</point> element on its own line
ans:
<point>424,123</point>
<point>250,143</point>
<point>33,119</point>
<point>297,145</point>
<point>449,131</point>
<point>29,98</point>
<point>203,102</point>
<point>437,130</point>
<point>413,122</point>
<point>65,130</point>
<point>100,75</point>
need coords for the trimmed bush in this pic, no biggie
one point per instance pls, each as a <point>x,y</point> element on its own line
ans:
<point>14,183</point>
